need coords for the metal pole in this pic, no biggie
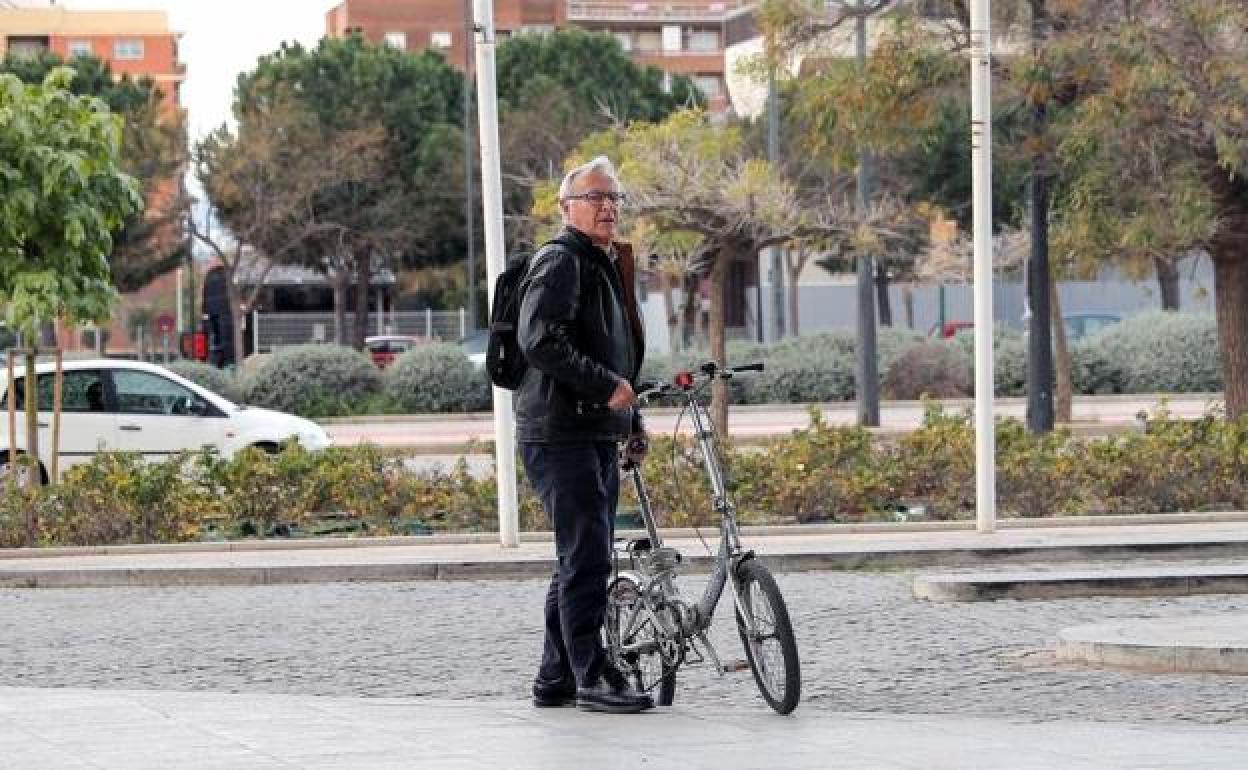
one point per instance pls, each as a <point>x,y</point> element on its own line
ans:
<point>867,368</point>
<point>492,213</point>
<point>773,156</point>
<point>981,176</point>
<point>255,332</point>
<point>470,225</point>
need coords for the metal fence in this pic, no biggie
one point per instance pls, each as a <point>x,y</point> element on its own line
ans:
<point>270,331</point>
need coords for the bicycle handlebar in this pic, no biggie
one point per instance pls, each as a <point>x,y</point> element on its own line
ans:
<point>685,382</point>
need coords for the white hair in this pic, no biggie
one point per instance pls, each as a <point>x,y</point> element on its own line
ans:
<point>599,165</point>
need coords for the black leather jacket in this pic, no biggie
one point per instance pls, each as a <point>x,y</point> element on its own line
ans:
<point>581,333</point>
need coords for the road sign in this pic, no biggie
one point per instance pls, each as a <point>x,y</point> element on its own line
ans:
<point>164,323</point>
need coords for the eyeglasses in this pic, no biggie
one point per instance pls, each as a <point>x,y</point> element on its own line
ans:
<point>598,197</point>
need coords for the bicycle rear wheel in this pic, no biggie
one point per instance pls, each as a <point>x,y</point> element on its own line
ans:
<point>770,647</point>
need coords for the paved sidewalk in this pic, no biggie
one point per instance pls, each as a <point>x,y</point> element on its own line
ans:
<point>129,730</point>
<point>436,558</point>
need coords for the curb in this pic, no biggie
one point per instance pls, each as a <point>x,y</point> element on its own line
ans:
<point>1167,581</point>
<point>747,532</point>
<point>537,567</point>
<point>952,403</point>
<point>1204,643</point>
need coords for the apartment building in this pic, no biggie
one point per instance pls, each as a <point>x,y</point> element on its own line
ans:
<point>135,43</point>
<point>681,37</point>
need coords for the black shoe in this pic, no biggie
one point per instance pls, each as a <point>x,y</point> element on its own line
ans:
<point>612,694</point>
<point>554,693</point>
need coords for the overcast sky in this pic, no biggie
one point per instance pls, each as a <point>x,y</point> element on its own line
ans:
<point>221,38</point>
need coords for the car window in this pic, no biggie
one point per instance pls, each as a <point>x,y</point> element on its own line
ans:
<point>147,393</point>
<point>82,390</point>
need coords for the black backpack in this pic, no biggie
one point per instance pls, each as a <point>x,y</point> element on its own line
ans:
<point>504,362</point>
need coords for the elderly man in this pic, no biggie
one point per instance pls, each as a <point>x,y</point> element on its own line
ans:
<point>580,331</point>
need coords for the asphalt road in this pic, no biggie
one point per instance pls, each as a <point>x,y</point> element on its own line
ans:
<point>866,644</point>
<point>451,433</point>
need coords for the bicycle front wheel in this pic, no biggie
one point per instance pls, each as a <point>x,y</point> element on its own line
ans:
<point>770,645</point>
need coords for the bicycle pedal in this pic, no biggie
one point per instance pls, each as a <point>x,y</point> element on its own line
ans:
<point>734,666</point>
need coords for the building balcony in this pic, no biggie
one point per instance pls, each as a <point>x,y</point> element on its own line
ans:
<point>661,10</point>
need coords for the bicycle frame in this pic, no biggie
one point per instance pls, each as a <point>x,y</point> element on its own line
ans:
<point>692,623</point>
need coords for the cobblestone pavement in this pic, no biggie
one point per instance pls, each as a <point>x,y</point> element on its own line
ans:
<point>866,645</point>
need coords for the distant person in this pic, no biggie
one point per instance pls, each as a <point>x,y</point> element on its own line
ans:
<point>580,331</point>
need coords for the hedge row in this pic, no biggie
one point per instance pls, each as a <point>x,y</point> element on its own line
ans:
<point>824,473</point>
<point>1149,353</point>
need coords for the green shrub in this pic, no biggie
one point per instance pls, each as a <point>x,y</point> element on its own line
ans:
<point>312,380</point>
<point>436,378</point>
<point>217,380</point>
<point>1093,370</point>
<point>932,369</point>
<point>1161,352</point>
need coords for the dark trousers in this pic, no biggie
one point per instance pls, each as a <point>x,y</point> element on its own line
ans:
<point>578,485</point>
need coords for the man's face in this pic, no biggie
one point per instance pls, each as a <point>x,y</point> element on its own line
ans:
<point>598,220</point>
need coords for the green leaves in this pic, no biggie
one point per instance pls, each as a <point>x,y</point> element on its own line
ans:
<point>61,193</point>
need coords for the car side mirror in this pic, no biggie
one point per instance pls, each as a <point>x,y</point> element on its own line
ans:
<point>196,406</point>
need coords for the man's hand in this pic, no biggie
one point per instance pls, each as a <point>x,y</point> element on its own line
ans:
<point>623,397</point>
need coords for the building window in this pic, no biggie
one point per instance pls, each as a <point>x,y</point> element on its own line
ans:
<point>440,40</point>
<point>537,29</point>
<point>710,85</point>
<point>27,47</point>
<point>129,50</point>
<point>671,38</point>
<point>397,40</point>
<point>625,39</point>
<point>79,48</point>
<point>704,41</point>
<point>649,41</point>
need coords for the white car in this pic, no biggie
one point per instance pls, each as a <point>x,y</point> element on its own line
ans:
<point>110,404</point>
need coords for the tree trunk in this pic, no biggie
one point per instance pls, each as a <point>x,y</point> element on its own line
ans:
<point>360,330</point>
<point>881,291</point>
<point>1039,344</point>
<point>1064,390</point>
<point>236,316</point>
<point>794,271</point>
<point>866,365</point>
<point>669,312</point>
<point>338,280</point>
<point>690,312</point>
<point>907,301</point>
<point>1168,281</point>
<point>31,385</point>
<point>1230,288</point>
<point>719,389</point>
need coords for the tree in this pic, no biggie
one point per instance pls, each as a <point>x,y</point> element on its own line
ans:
<point>409,213</point>
<point>153,151</point>
<point>62,194</point>
<point>690,174</point>
<point>1167,110</point>
<point>269,181</point>
<point>549,102</point>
